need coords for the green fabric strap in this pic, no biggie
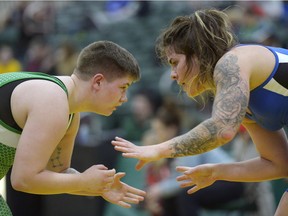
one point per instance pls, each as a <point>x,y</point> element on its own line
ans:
<point>9,77</point>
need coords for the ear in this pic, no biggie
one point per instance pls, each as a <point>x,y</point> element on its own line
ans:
<point>97,80</point>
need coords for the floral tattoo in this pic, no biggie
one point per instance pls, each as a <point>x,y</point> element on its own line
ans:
<point>229,108</point>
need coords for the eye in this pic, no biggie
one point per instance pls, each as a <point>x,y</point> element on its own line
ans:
<point>124,88</point>
<point>172,62</point>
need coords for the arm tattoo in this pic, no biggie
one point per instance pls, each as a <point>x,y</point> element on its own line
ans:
<point>55,160</point>
<point>233,92</point>
<point>229,109</point>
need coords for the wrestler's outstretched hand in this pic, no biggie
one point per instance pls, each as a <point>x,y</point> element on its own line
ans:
<point>144,154</point>
<point>122,194</point>
<point>195,177</point>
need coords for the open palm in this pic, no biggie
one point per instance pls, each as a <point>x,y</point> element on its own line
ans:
<point>196,177</point>
<point>144,154</point>
<point>122,194</point>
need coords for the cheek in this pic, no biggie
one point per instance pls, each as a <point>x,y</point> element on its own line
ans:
<point>181,71</point>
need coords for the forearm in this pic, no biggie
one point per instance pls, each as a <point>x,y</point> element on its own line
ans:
<point>205,137</point>
<point>82,193</point>
<point>49,182</point>
<point>254,170</point>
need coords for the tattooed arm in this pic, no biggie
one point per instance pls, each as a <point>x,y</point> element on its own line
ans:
<point>230,104</point>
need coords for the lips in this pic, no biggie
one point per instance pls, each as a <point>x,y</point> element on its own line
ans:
<point>183,86</point>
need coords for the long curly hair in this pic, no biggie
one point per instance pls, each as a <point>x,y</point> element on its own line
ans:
<point>206,34</point>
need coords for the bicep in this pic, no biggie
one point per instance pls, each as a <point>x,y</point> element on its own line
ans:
<point>44,126</point>
<point>232,93</point>
<point>61,157</point>
<point>40,136</point>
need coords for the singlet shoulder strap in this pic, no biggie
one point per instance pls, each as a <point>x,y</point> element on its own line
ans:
<point>9,77</point>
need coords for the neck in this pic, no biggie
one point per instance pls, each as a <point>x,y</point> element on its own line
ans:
<point>77,91</point>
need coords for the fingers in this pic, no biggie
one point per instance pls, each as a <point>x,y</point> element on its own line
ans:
<point>119,175</point>
<point>182,178</point>
<point>188,182</point>
<point>137,196</point>
<point>110,174</point>
<point>121,142</point>
<point>123,204</point>
<point>140,165</point>
<point>121,139</point>
<point>130,198</point>
<point>133,198</point>
<point>101,167</point>
<point>124,146</point>
<point>182,169</point>
<point>109,180</point>
<point>193,189</point>
<point>126,151</point>
<point>135,191</point>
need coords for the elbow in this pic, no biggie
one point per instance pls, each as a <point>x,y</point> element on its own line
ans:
<point>282,172</point>
<point>280,168</point>
<point>221,132</point>
<point>20,183</point>
<point>226,135</point>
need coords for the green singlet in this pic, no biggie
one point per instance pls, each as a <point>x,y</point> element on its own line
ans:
<point>9,136</point>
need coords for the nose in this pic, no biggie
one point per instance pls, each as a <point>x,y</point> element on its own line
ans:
<point>173,75</point>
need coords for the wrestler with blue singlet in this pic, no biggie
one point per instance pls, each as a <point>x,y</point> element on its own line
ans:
<point>249,83</point>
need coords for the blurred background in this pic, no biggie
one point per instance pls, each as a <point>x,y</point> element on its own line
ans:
<point>47,36</point>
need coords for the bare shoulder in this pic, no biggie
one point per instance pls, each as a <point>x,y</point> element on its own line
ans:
<point>250,52</point>
<point>254,62</point>
<point>251,56</point>
<point>44,100</point>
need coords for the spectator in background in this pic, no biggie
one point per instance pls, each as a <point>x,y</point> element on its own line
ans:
<point>40,57</point>
<point>8,63</point>
<point>65,58</point>
<point>143,106</point>
<point>30,19</point>
<point>253,22</point>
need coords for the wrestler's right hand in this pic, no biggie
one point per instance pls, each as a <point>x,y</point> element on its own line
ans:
<point>98,178</point>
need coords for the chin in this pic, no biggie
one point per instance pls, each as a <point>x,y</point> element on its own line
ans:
<point>194,92</point>
<point>104,113</point>
<point>107,114</point>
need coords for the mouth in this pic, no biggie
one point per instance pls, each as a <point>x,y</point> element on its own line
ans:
<point>182,86</point>
<point>116,107</point>
<point>180,83</point>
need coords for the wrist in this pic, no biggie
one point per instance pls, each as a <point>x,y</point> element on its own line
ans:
<point>216,170</point>
<point>70,171</point>
<point>161,151</point>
